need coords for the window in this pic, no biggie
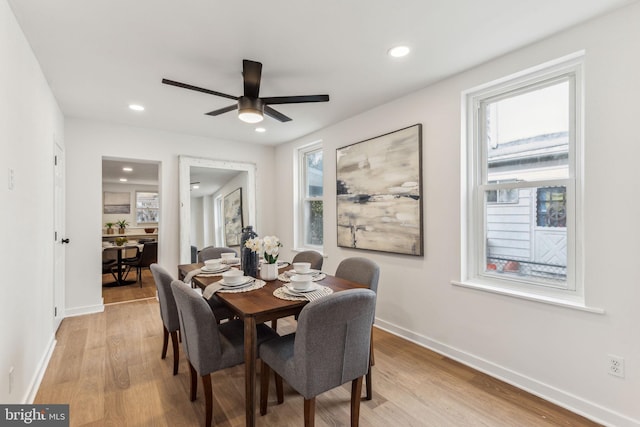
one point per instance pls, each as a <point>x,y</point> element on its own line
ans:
<point>310,229</point>
<point>147,207</point>
<point>523,144</point>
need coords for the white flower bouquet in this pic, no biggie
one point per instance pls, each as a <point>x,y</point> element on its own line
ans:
<point>268,245</point>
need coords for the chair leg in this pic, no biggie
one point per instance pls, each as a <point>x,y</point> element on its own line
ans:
<point>279,389</point>
<point>369,386</point>
<point>208,398</point>
<point>265,370</point>
<point>176,351</point>
<point>194,382</point>
<point>139,275</point>
<point>165,341</point>
<point>356,390</point>
<point>310,412</point>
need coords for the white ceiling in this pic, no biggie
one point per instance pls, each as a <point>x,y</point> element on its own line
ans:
<point>101,55</point>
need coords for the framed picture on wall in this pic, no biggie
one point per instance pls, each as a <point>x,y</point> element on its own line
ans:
<point>117,203</point>
<point>379,193</point>
<point>233,222</point>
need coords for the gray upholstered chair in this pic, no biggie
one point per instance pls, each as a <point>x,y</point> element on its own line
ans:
<point>211,252</point>
<point>364,271</point>
<point>209,347</point>
<point>329,348</point>
<point>168,312</point>
<point>313,257</point>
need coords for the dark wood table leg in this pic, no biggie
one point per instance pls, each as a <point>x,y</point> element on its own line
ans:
<point>250,355</point>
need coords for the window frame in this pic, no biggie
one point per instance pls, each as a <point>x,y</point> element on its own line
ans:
<point>474,173</point>
<point>156,208</point>
<point>301,195</point>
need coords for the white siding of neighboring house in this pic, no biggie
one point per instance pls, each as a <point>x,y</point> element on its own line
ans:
<point>509,228</point>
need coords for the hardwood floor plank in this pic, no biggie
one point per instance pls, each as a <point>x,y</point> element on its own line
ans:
<point>107,366</point>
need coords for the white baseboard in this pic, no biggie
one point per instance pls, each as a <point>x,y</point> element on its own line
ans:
<point>32,390</point>
<point>88,309</point>
<point>569,401</point>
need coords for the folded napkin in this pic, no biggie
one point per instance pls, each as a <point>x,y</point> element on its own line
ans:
<point>211,289</point>
<point>191,275</point>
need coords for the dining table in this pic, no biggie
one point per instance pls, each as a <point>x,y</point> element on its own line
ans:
<point>120,281</point>
<point>255,307</point>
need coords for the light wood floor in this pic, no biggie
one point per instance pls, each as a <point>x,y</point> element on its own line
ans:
<point>113,294</point>
<point>107,366</point>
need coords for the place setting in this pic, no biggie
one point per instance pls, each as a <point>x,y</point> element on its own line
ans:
<point>301,287</point>
<point>233,281</point>
<point>301,269</point>
<point>229,259</point>
<point>213,267</point>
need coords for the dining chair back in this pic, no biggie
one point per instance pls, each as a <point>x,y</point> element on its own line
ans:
<point>209,346</point>
<point>366,272</point>
<point>329,348</point>
<point>360,270</point>
<point>212,252</point>
<point>168,312</point>
<point>147,256</point>
<point>312,257</point>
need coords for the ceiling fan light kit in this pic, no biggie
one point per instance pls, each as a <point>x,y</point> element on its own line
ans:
<point>251,108</point>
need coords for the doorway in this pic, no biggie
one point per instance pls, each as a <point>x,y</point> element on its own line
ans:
<point>130,228</point>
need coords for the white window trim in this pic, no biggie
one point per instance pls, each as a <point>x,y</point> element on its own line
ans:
<point>218,221</point>
<point>300,196</point>
<point>473,248</point>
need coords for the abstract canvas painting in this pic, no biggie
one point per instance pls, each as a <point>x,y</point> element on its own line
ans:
<point>117,203</point>
<point>379,193</point>
<point>233,217</point>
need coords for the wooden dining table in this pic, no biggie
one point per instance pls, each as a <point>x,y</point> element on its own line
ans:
<point>256,307</point>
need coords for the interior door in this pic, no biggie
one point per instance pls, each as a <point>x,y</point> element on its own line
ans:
<point>59,236</point>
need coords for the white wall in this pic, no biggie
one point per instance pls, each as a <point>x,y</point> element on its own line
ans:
<point>556,352</point>
<point>30,121</point>
<point>87,142</point>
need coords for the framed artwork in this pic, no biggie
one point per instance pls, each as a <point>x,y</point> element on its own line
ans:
<point>233,217</point>
<point>379,193</point>
<point>116,203</point>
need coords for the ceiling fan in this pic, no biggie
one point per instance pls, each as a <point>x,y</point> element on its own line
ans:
<point>250,106</point>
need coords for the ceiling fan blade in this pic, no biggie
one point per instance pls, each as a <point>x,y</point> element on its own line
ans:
<point>295,99</point>
<point>276,114</point>
<point>198,89</point>
<point>251,72</point>
<point>222,110</point>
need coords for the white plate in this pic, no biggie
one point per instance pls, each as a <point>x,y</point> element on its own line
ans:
<point>215,270</point>
<point>289,288</point>
<point>310,272</point>
<point>245,280</point>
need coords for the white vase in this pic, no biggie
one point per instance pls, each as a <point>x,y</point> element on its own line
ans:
<point>269,271</point>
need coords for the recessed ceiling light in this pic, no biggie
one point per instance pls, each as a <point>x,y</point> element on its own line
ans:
<point>136,107</point>
<point>195,187</point>
<point>399,51</point>
<point>123,179</point>
<point>261,130</point>
<point>127,169</point>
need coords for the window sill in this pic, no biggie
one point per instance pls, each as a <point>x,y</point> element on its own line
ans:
<point>557,301</point>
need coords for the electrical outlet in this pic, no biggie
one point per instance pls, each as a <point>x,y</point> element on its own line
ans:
<point>10,379</point>
<point>615,365</point>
